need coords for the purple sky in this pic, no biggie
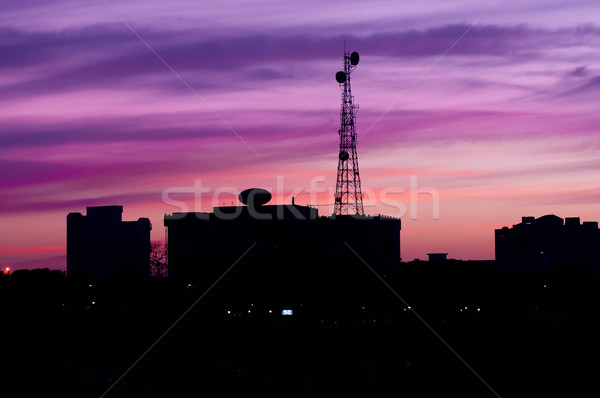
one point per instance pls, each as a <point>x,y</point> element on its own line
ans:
<point>504,125</point>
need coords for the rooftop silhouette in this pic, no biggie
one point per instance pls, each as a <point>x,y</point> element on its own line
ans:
<point>101,245</point>
<point>549,242</point>
<point>294,255</point>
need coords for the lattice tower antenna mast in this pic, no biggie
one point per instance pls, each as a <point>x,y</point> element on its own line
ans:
<point>348,193</point>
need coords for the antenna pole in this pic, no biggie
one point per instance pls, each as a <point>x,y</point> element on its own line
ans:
<point>348,192</point>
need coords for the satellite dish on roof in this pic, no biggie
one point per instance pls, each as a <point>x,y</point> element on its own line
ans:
<point>354,58</point>
<point>255,197</point>
<point>340,77</point>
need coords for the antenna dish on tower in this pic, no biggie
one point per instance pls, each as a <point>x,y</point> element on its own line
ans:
<point>341,77</point>
<point>354,58</point>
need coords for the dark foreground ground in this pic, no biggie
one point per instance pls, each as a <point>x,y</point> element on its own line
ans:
<point>525,334</point>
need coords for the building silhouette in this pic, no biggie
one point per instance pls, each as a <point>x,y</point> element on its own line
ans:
<point>101,245</point>
<point>549,242</point>
<point>437,256</point>
<point>293,252</point>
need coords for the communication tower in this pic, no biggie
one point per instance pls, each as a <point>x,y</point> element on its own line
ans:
<point>348,193</point>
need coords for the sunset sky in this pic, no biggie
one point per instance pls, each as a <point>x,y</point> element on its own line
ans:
<point>493,106</point>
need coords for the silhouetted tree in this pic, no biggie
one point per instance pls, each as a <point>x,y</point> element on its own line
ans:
<point>158,258</point>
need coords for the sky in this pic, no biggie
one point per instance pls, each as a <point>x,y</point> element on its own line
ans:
<point>472,113</point>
